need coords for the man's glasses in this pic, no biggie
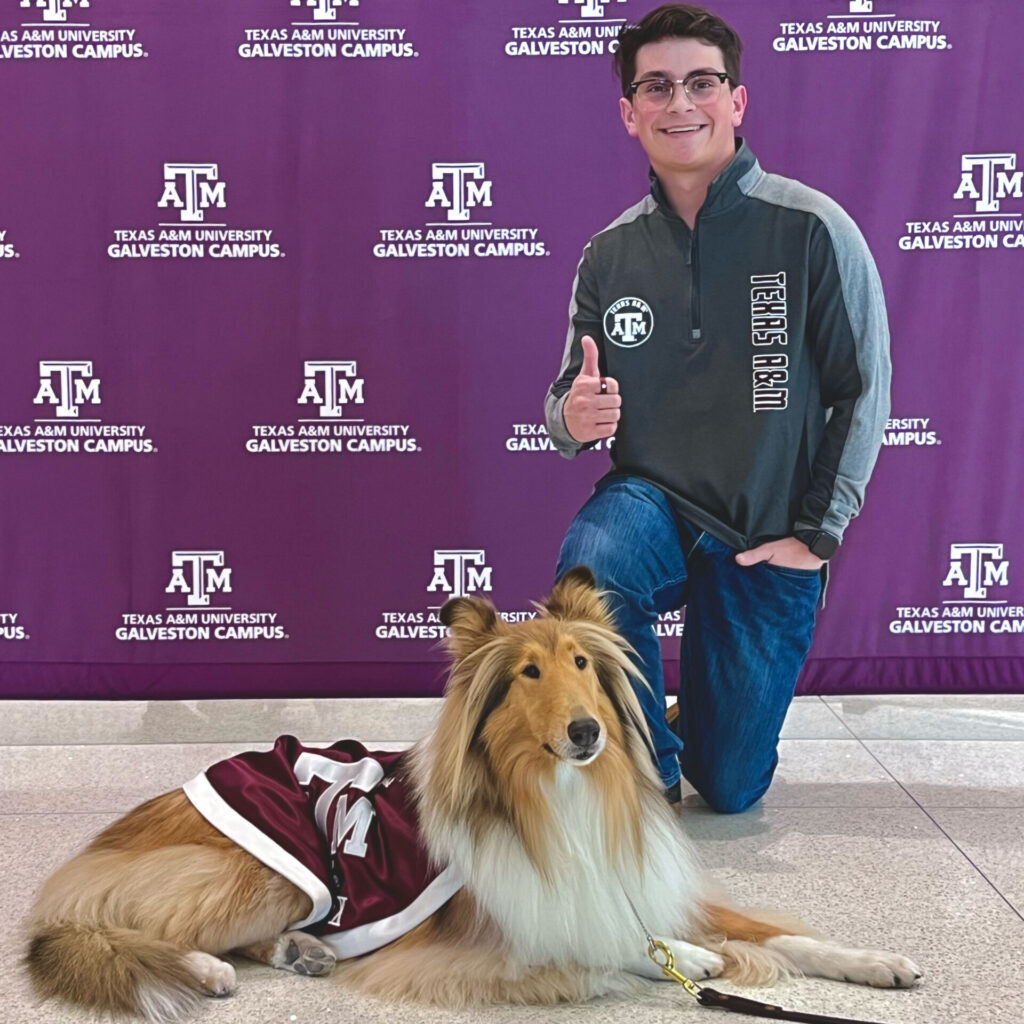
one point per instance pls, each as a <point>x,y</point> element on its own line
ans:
<point>702,87</point>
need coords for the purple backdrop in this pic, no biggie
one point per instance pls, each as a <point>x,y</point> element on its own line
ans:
<point>283,285</point>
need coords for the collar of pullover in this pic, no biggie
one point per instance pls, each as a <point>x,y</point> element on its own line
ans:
<point>724,192</point>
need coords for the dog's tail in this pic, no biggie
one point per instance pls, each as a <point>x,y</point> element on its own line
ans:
<point>113,970</point>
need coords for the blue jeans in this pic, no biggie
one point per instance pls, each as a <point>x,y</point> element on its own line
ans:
<point>747,633</point>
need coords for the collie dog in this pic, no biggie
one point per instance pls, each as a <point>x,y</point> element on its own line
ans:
<point>538,805</point>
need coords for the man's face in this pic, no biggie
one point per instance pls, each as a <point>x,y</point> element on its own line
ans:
<point>683,136</point>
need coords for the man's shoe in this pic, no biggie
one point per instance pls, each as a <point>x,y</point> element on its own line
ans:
<point>673,794</point>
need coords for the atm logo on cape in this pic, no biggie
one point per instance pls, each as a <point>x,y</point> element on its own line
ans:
<point>61,34</point>
<point>199,583</point>
<point>987,216</point>
<point>976,580</point>
<point>628,322</point>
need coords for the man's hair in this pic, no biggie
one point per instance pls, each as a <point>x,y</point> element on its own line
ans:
<point>687,21</point>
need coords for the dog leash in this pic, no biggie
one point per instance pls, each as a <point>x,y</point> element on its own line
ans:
<point>723,1000</point>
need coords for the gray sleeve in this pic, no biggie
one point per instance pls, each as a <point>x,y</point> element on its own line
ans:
<point>849,334</point>
<point>584,318</point>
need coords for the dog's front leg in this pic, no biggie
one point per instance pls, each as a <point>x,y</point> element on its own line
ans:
<point>823,959</point>
<point>690,961</point>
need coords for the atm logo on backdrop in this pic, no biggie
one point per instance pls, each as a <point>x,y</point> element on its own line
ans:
<point>975,588</point>
<point>331,385</point>
<point>975,568</point>
<point>459,573</point>
<point>326,30</point>
<point>859,25</point>
<point>986,189</point>
<point>192,189</point>
<point>324,10</point>
<point>55,36</point>
<point>332,393</point>
<point>458,188</point>
<point>65,389</point>
<point>67,386</point>
<point>55,10</point>
<point>194,194</point>
<point>989,178</point>
<point>460,192</point>
<point>197,575</point>
<point>577,28</point>
<point>200,581</point>
<point>456,572</point>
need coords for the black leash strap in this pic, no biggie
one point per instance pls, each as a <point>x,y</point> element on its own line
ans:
<point>657,950</point>
<point>661,956</point>
<point>752,1008</point>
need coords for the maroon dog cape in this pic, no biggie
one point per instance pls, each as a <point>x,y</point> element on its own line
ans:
<point>338,822</point>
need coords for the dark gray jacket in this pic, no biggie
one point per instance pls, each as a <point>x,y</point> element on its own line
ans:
<point>752,354</point>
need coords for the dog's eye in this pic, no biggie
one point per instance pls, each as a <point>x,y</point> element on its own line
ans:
<point>532,672</point>
<point>581,662</point>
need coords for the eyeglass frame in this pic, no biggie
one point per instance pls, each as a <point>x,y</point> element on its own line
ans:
<point>722,76</point>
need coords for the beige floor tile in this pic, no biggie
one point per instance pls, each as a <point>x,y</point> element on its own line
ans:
<point>956,773</point>
<point>825,773</point>
<point>993,838</point>
<point>932,717</point>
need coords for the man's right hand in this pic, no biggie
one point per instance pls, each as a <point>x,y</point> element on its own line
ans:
<point>591,409</point>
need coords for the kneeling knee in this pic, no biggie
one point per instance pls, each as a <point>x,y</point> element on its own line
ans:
<point>726,799</point>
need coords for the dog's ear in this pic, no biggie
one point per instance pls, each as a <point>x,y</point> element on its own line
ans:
<point>472,622</point>
<point>576,597</point>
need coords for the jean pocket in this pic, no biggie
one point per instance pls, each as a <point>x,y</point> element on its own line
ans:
<point>793,573</point>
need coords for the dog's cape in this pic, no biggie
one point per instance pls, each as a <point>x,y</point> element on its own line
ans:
<point>340,824</point>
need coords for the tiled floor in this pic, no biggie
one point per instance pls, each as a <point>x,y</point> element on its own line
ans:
<point>893,821</point>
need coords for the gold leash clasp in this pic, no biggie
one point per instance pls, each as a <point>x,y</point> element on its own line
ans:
<point>668,966</point>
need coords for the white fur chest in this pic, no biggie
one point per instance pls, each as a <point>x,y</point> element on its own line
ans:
<point>582,914</point>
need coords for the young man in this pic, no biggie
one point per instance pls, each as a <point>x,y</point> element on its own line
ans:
<point>728,334</point>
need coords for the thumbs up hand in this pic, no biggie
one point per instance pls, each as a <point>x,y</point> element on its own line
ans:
<point>591,410</point>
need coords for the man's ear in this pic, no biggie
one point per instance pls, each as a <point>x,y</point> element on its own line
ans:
<point>627,114</point>
<point>739,105</point>
<point>576,597</point>
<point>472,622</point>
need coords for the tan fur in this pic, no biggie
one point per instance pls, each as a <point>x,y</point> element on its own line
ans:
<point>125,925</point>
<point>120,917</point>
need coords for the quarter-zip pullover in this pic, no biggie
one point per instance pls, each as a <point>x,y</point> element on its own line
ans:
<point>752,354</point>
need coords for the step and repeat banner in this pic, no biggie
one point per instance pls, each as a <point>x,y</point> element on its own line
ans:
<point>283,284</point>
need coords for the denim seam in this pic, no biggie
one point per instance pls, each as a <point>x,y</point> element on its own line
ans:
<point>696,543</point>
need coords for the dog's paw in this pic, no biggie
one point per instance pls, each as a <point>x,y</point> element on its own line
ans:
<point>303,954</point>
<point>881,969</point>
<point>216,976</point>
<point>695,962</point>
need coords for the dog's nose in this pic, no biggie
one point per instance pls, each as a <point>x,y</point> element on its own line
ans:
<point>584,732</point>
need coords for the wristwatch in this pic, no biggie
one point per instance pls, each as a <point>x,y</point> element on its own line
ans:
<point>821,544</point>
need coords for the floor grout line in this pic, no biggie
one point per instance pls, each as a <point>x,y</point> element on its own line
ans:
<point>839,718</point>
<point>956,846</point>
